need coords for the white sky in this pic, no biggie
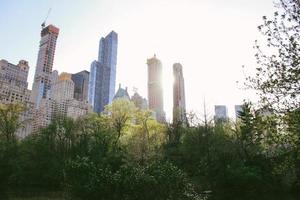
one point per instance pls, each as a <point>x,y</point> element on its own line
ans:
<point>212,39</point>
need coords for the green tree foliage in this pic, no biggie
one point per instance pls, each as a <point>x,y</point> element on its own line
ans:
<point>277,81</point>
<point>93,158</point>
<point>277,78</point>
<point>145,138</point>
<point>231,157</point>
<point>293,121</point>
<point>9,124</point>
<point>48,149</point>
<point>153,181</point>
<point>10,121</point>
<point>119,114</point>
<point>250,132</point>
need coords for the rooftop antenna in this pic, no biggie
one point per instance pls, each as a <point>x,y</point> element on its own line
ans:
<point>44,22</point>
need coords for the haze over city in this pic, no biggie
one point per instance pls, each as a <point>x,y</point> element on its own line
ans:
<point>211,39</point>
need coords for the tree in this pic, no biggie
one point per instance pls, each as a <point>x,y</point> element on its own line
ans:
<point>277,78</point>
<point>157,180</point>
<point>10,120</point>
<point>277,82</point>
<point>119,114</point>
<point>249,135</point>
<point>145,137</point>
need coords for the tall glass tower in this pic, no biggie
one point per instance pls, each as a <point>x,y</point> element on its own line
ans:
<point>81,81</point>
<point>103,73</point>
<point>43,71</point>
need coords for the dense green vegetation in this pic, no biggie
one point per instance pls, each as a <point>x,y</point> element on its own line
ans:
<point>128,155</point>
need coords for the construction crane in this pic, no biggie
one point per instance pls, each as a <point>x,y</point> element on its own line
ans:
<point>44,23</point>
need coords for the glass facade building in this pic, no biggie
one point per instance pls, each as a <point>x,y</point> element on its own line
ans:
<point>103,73</point>
<point>81,81</point>
<point>221,113</point>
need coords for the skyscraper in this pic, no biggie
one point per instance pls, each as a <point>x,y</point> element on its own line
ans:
<point>81,81</point>
<point>221,114</point>
<point>60,103</point>
<point>63,88</point>
<point>102,79</point>
<point>179,111</point>
<point>94,93</point>
<point>42,79</point>
<point>155,88</point>
<point>63,98</point>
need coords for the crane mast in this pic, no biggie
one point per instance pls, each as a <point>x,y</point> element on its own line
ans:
<point>44,22</point>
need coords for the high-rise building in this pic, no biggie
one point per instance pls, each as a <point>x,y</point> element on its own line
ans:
<point>43,115</point>
<point>102,79</point>
<point>155,88</point>
<point>13,82</point>
<point>221,114</point>
<point>42,79</point>
<point>81,81</point>
<point>62,93</point>
<point>179,110</point>
<point>60,102</point>
<point>95,84</point>
<point>15,74</point>
<point>63,88</point>
<point>13,89</point>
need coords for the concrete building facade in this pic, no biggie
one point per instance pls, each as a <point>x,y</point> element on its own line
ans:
<point>13,89</point>
<point>42,78</point>
<point>179,109</point>
<point>61,102</point>
<point>63,88</point>
<point>155,88</point>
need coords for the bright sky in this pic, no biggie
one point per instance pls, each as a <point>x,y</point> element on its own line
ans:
<point>212,39</point>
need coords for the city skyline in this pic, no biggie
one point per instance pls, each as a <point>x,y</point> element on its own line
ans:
<point>192,99</point>
<point>206,77</point>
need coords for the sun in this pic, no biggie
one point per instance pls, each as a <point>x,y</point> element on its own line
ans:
<point>168,81</point>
